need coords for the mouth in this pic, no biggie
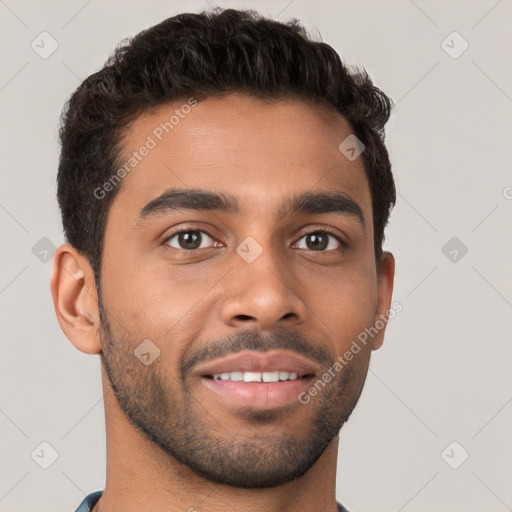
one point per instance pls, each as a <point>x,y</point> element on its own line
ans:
<point>258,380</point>
<point>265,377</point>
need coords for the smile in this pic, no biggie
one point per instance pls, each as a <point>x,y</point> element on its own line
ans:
<point>276,376</point>
<point>257,380</point>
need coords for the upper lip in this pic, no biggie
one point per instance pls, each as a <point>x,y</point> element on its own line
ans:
<point>249,361</point>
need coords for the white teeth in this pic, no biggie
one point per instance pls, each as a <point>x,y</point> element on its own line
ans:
<point>275,376</point>
<point>270,376</point>
<point>252,377</point>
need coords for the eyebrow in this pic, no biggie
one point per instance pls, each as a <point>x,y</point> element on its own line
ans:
<point>176,199</point>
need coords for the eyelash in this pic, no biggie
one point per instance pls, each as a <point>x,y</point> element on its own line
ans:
<point>331,232</point>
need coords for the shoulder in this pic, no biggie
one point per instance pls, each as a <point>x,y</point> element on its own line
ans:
<point>89,501</point>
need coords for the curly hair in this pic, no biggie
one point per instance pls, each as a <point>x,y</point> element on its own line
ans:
<point>207,53</point>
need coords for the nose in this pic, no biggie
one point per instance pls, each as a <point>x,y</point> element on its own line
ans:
<point>262,294</point>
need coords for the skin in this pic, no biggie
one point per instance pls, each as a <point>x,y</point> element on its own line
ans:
<point>167,436</point>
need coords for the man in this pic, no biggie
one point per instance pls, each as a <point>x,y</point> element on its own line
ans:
<point>224,189</point>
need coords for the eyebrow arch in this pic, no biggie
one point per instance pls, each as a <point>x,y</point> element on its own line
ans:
<point>197,199</point>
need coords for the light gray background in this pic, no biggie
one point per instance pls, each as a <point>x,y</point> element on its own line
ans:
<point>443,373</point>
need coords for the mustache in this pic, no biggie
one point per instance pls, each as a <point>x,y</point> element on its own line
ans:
<point>278,339</point>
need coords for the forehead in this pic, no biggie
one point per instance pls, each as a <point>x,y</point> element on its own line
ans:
<point>257,151</point>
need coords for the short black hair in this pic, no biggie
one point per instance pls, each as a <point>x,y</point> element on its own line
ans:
<point>208,53</point>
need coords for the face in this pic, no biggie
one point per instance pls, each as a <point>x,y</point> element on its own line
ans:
<point>268,273</point>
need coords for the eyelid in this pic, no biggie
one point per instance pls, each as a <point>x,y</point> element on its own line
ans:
<point>319,229</point>
<point>188,229</point>
<point>330,231</point>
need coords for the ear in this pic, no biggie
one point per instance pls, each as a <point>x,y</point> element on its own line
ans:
<point>75,299</point>
<point>385,279</point>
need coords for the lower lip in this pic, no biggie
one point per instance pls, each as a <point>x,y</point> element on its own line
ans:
<point>258,395</point>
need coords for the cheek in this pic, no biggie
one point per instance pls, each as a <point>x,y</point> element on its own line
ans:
<point>345,301</point>
<point>139,304</point>
<point>171,304</point>
<point>173,301</point>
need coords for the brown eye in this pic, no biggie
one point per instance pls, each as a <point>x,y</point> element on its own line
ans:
<point>319,241</point>
<point>189,240</point>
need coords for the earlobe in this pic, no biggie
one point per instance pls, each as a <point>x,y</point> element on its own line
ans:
<point>385,280</point>
<point>75,299</point>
